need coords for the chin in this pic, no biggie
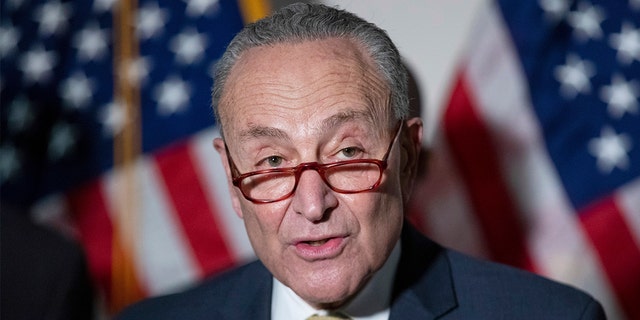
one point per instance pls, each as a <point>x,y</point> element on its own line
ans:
<point>329,300</point>
<point>325,290</point>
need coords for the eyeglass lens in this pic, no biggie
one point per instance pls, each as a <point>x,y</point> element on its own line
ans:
<point>343,177</point>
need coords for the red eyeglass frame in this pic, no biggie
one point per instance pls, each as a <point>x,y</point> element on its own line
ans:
<point>237,177</point>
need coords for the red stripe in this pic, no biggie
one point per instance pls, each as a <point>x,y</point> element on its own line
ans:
<point>618,252</point>
<point>416,215</point>
<point>91,216</point>
<point>475,155</point>
<point>193,209</point>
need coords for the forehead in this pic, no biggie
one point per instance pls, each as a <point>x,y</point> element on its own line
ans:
<point>304,84</point>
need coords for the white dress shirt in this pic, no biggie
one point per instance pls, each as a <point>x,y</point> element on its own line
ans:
<point>372,303</point>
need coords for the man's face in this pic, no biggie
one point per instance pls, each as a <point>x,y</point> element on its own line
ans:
<point>316,101</point>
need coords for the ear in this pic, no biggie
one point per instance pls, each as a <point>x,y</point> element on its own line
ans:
<point>219,145</point>
<point>411,142</point>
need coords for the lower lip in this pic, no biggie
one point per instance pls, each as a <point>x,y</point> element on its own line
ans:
<point>330,249</point>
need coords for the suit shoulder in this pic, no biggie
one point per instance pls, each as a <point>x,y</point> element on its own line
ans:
<point>208,298</point>
<point>484,284</point>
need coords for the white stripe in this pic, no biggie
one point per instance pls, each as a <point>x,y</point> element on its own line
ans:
<point>215,182</point>
<point>628,200</point>
<point>163,258</point>
<point>555,240</point>
<point>450,221</point>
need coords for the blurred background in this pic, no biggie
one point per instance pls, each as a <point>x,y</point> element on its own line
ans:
<point>111,190</point>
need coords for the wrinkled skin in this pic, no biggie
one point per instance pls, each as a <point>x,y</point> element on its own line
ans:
<point>317,101</point>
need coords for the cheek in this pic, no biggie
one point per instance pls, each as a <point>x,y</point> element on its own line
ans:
<point>262,223</point>
<point>379,217</point>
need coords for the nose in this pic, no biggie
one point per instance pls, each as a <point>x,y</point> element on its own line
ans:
<point>313,198</point>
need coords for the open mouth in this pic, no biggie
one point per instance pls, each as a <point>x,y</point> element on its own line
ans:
<point>320,249</point>
<point>317,243</point>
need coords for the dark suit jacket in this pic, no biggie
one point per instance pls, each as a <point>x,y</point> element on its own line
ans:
<point>43,276</point>
<point>431,283</point>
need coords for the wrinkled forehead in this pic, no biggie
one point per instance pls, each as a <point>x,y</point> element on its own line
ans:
<point>304,82</point>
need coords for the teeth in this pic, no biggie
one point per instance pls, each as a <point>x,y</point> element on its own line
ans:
<point>317,243</point>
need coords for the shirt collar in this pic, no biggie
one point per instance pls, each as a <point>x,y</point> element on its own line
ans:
<point>371,303</point>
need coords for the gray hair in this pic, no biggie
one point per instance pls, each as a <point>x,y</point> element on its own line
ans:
<point>306,22</point>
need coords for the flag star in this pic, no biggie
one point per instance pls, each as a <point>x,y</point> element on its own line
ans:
<point>554,9</point>
<point>63,141</point>
<point>196,8</point>
<point>9,163</point>
<point>77,90</point>
<point>102,6</point>
<point>574,76</point>
<point>611,150</point>
<point>21,115</point>
<point>53,17</point>
<point>37,64</point>
<point>635,4</point>
<point>586,21</point>
<point>150,21</point>
<point>9,37</point>
<point>188,46</point>
<point>113,118</point>
<point>91,43</point>
<point>621,96</point>
<point>172,96</point>
<point>627,43</point>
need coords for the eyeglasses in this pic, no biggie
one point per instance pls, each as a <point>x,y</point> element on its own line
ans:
<point>350,176</point>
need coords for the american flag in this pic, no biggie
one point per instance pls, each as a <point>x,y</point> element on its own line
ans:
<point>537,160</point>
<point>107,131</point>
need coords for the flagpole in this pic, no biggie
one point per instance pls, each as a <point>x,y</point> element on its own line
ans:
<point>253,10</point>
<point>125,286</point>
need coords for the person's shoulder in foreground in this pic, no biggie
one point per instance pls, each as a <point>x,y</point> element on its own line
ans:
<point>232,295</point>
<point>452,285</point>
<point>515,294</point>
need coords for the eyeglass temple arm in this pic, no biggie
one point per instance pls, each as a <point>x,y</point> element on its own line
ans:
<point>232,165</point>
<point>395,137</point>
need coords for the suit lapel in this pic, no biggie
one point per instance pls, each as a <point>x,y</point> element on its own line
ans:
<point>424,285</point>
<point>251,296</point>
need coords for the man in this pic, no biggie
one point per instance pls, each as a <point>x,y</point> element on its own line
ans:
<point>320,157</point>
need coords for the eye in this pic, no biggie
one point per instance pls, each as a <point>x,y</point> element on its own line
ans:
<point>350,152</point>
<point>272,161</point>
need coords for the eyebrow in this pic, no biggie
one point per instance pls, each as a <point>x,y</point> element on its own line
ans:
<point>259,131</point>
<point>344,117</point>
